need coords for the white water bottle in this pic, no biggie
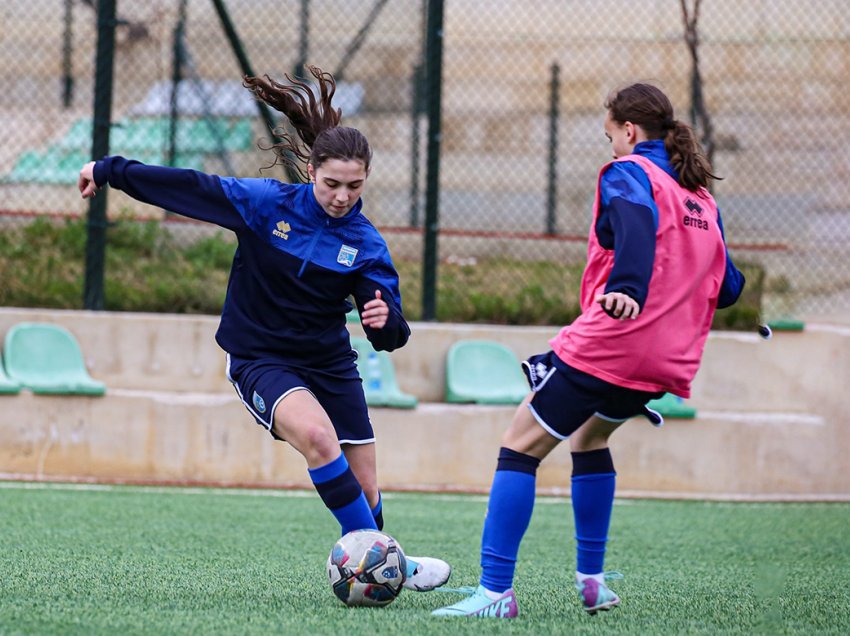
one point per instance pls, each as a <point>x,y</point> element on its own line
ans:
<point>373,372</point>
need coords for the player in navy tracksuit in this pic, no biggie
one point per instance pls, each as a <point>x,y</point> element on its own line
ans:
<point>302,251</point>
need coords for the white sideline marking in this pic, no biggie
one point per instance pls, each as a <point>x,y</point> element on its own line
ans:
<point>624,498</point>
<point>836,329</point>
<point>178,398</point>
<point>153,490</point>
<point>763,419</point>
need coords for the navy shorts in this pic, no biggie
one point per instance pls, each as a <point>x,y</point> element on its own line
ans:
<point>262,384</point>
<point>565,398</point>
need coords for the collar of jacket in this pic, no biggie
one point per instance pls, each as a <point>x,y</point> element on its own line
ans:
<point>327,219</point>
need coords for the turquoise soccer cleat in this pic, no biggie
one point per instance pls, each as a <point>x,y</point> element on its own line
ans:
<point>596,596</point>
<point>480,605</point>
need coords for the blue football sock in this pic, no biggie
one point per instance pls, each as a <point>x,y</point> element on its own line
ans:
<point>342,494</point>
<point>508,516</point>
<point>593,482</point>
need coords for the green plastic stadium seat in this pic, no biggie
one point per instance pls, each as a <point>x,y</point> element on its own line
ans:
<point>7,385</point>
<point>673,406</point>
<point>484,372</point>
<point>46,358</point>
<point>382,388</point>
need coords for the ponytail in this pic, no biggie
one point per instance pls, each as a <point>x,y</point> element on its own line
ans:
<point>649,108</point>
<point>687,157</point>
<point>315,121</point>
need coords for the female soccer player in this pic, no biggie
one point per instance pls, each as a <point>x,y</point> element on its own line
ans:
<point>657,269</point>
<point>302,251</point>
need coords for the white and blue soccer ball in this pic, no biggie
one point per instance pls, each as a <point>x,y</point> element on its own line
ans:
<point>367,568</point>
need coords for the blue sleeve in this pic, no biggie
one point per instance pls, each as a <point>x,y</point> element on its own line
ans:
<point>381,275</point>
<point>733,279</point>
<point>627,224</point>
<point>186,192</point>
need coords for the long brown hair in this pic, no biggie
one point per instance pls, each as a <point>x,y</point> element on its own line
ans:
<point>315,121</point>
<point>648,107</point>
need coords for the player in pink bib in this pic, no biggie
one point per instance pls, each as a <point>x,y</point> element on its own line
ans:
<point>657,269</point>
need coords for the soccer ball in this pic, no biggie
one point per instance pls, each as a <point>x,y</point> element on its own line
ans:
<point>367,568</point>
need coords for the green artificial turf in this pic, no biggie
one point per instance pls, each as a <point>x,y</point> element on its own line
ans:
<point>137,560</point>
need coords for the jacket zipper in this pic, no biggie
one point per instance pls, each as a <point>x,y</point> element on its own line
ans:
<point>311,249</point>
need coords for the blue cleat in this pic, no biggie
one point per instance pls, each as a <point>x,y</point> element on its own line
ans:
<point>480,605</point>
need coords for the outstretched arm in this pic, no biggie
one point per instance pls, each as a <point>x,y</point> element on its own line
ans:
<point>187,192</point>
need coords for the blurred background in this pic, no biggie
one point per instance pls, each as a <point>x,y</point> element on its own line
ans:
<point>493,227</point>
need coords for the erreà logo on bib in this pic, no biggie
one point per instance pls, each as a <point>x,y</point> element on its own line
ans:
<point>346,255</point>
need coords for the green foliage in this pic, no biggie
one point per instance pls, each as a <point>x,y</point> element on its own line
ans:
<point>498,291</point>
<point>148,269</point>
<point>136,560</point>
<point>744,315</point>
<point>145,268</point>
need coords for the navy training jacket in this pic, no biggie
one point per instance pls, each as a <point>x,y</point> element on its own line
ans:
<point>294,268</point>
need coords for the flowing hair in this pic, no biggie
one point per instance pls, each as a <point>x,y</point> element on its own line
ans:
<point>316,122</point>
<point>648,107</point>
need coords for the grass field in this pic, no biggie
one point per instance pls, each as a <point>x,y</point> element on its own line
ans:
<point>144,560</point>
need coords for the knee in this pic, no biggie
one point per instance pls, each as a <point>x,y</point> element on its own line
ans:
<point>321,441</point>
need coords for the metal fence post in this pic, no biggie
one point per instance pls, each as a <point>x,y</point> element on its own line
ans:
<point>176,79</point>
<point>415,143</point>
<point>552,185</point>
<point>67,53</point>
<point>433,78</point>
<point>245,67</point>
<point>93,297</point>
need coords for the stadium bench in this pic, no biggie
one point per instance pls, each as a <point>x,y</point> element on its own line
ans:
<point>379,379</point>
<point>484,372</point>
<point>46,358</point>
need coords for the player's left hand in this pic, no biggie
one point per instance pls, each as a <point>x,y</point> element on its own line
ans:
<point>85,182</point>
<point>375,312</point>
<point>619,305</point>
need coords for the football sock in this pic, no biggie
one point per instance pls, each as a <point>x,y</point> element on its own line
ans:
<point>378,512</point>
<point>599,578</point>
<point>593,481</point>
<point>342,494</point>
<point>508,515</point>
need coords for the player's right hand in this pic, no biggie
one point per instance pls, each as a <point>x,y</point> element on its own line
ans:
<point>619,305</point>
<point>86,183</point>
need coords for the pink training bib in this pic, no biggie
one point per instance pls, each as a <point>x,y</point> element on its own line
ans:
<point>660,350</point>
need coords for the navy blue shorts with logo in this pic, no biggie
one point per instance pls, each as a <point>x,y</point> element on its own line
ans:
<point>565,398</point>
<point>262,384</point>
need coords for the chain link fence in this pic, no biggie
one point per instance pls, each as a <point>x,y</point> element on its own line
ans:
<point>522,84</point>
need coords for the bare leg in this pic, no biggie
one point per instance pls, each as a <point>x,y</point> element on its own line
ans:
<point>593,435</point>
<point>301,421</point>
<point>525,435</point>
<point>361,458</point>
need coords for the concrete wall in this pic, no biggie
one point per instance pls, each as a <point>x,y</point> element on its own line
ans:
<point>770,417</point>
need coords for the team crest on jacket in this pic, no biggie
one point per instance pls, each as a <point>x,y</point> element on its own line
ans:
<point>259,403</point>
<point>346,255</point>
